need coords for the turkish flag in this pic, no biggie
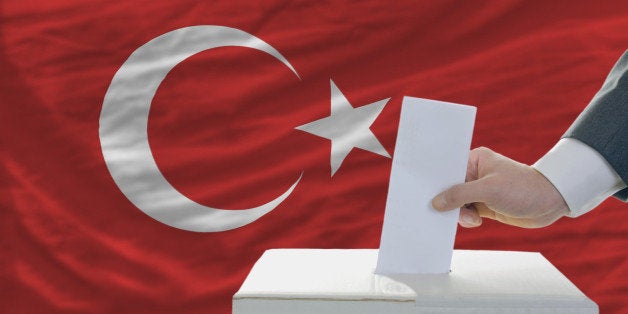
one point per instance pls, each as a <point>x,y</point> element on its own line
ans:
<point>221,130</point>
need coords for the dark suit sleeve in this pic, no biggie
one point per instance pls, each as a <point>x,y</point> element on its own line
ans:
<point>603,125</point>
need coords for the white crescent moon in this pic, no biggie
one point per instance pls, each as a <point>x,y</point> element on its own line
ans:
<point>124,136</point>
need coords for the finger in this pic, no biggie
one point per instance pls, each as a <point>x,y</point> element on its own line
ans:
<point>534,222</point>
<point>484,211</point>
<point>469,217</point>
<point>461,194</point>
<point>473,164</point>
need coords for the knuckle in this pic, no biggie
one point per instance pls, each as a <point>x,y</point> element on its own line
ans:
<point>483,150</point>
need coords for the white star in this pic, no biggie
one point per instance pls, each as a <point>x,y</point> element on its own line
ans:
<point>347,127</point>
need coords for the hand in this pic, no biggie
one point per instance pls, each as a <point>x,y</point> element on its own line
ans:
<point>502,189</point>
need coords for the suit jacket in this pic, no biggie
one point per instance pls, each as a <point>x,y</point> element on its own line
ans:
<point>603,125</point>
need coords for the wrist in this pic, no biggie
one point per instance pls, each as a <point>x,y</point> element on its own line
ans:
<point>552,198</point>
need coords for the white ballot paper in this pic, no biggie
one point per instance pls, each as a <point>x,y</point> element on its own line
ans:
<point>431,153</point>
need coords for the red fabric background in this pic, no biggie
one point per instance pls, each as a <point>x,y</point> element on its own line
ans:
<point>222,131</point>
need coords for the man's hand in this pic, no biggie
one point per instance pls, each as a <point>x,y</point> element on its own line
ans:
<point>500,188</point>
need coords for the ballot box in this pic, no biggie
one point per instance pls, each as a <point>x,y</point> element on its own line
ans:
<point>330,281</point>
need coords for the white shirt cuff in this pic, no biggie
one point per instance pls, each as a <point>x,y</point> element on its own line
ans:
<point>580,174</point>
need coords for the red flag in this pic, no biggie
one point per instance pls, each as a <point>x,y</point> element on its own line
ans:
<point>221,129</point>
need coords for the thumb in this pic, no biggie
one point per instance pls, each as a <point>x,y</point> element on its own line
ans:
<point>459,195</point>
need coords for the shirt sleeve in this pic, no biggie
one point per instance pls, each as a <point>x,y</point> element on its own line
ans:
<point>580,174</point>
<point>603,124</point>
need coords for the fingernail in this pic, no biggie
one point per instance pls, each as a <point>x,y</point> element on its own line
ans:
<point>468,220</point>
<point>439,202</point>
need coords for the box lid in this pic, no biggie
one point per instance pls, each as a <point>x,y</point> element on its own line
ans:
<point>500,278</point>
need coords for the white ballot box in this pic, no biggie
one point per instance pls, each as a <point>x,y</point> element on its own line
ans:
<point>308,281</point>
